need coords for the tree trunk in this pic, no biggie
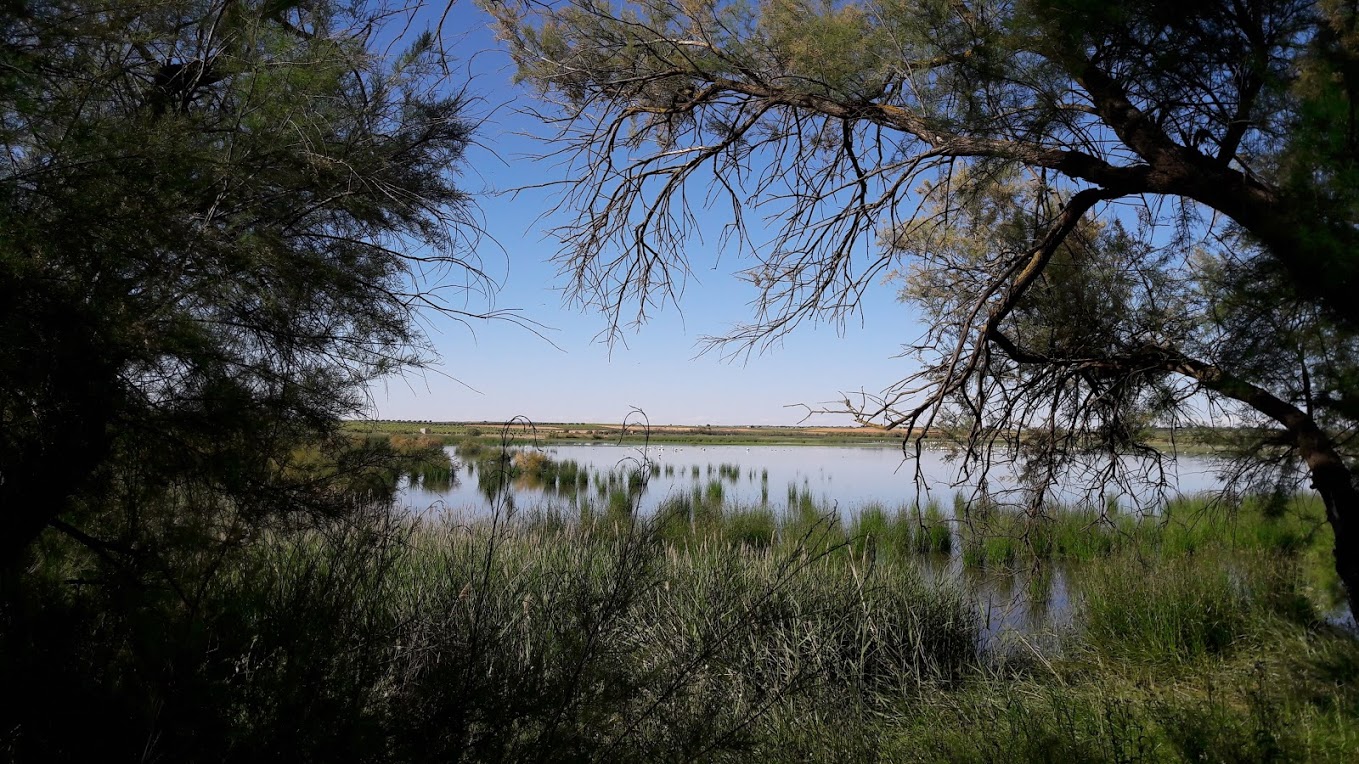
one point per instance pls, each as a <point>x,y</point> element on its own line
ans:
<point>41,482</point>
<point>58,396</point>
<point>1331,477</point>
<point>1333,480</point>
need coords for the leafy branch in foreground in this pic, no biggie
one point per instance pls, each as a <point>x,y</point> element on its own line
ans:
<point>220,220</point>
<point>1117,216</point>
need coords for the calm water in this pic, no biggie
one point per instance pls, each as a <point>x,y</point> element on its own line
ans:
<point>846,477</point>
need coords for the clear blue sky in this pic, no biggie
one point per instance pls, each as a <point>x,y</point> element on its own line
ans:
<point>497,370</point>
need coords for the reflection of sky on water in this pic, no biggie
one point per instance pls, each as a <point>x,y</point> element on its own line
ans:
<point>1019,610</point>
<point>847,477</point>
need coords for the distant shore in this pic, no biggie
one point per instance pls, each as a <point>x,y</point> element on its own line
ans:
<point>1187,440</point>
<point>635,433</point>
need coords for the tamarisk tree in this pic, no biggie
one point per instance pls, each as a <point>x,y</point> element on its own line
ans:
<point>219,219</point>
<point>1113,214</point>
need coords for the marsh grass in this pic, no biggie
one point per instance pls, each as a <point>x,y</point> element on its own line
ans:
<point>707,631</point>
<point>980,534</point>
<point>1185,526</point>
<point>1154,609</point>
<point>1246,712</point>
<point>901,533</point>
<point>541,636</point>
<point>753,528</point>
<point>1214,656</point>
<point>932,534</point>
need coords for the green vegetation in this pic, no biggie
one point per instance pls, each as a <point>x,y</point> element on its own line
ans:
<point>581,629</point>
<point>218,224</point>
<point>984,155</point>
<point>403,640</point>
<point>188,297</point>
<point>708,631</point>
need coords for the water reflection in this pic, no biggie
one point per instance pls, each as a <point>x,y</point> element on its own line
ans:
<point>1024,609</point>
<point>848,478</point>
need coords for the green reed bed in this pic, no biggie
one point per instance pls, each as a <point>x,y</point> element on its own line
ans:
<point>754,528</point>
<point>983,535</point>
<point>1220,654</point>
<point>706,632</point>
<point>523,640</point>
<point>874,530</point>
<point>1217,656</point>
<point>902,532</point>
<point>1007,536</point>
<point>729,472</point>
<point>1172,608</point>
<point>702,516</point>
<point>540,638</point>
<point>713,631</point>
<point>1274,708</point>
<point>1196,634</point>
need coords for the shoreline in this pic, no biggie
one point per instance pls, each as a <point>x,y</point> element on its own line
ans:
<point>1188,442</point>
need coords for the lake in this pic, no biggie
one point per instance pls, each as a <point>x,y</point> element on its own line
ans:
<point>847,478</point>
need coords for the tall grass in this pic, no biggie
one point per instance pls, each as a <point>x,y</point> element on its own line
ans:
<point>524,640</point>
<point>1241,714</point>
<point>981,534</point>
<point>1185,526</point>
<point>1178,607</point>
<point>705,632</point>
<point>1159,609</point>
<point>708,631</point>
<point>932,530</point>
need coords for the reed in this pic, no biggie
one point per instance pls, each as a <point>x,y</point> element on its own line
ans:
<point>530,637</point>
<point>932,533</point>
<point>707,631</point>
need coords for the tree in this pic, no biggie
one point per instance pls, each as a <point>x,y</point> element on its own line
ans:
<point>1114,214</point>
<point>219,218</point>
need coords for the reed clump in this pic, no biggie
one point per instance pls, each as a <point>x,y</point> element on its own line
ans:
<point>408,640</point>
<point>1009,537</point>
<point>706,631</point>
<point>981,533</point>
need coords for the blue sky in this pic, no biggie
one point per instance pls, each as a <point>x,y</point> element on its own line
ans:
<point>496,370</point>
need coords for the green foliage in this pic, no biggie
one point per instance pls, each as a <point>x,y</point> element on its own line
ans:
<point>399,641</point>
<point>210,211</point>
<point>1171,611</point>
<point>828,47</point>
<point>990,155</point>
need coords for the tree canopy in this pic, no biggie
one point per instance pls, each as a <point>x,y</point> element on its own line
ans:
<point>218,221</point>
<point>1113,214</point>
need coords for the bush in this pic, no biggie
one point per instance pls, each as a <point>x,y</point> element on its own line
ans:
<point>420,642</point>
